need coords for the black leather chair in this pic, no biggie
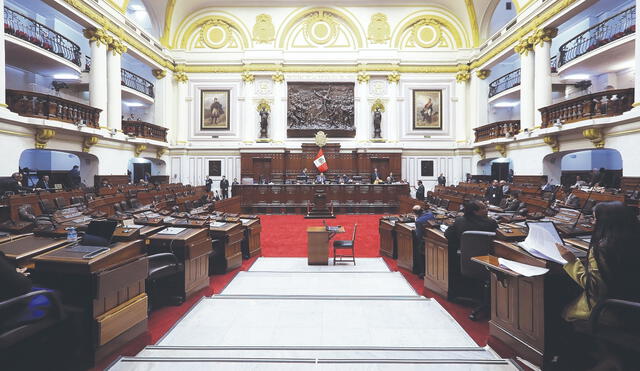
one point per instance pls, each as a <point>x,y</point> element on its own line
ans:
<point>344,250</point>
<point>622,336</point>
<point>165,283</point>
<point>47,206</point>
<point>472,244</point>
<point>61,202</point>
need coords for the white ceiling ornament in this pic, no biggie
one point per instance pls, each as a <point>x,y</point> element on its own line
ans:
<point>377,88</point>
<point>264,87</point>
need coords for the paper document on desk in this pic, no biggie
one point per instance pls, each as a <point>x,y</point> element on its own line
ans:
<point>523,269</point>
<point>443,227</point>
<point>217,224</point>
<point>412,225</point>
<point>171,230</point>
<point>541,242</point>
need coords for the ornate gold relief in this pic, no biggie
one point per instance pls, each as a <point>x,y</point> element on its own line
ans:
<point>464,73</point>
<point>377,105</point>
<point>248,77</point>
<point>553,142</point>
<point>89,142</point>
<point>480,152</point>
<point>394,77</point>
<point>159,74</point>
<point>42,137</point>
<point>97,34</point>
<point>263,104</point>
<point>161,151</point>
<point>321,28</point>
<point>363,77</point>
<point>483,74</point>
<point>321,139</point>
<point>263,30</point>
<point>426,33</point>
<point>543,35</point>
<point>139,148</point>
<point>595,135</point>
<point>502,149</point>
<point>215,34</point>
<point>117,47</point>
<point>278,77</point>
<point>378,31</point>
<point>181,77</point>
<point>523,47</point>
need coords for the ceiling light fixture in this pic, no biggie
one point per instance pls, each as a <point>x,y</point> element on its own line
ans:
<point>577,76</point>
<point>506,104</point>
<point>65,76</point>
<point>133,104</point>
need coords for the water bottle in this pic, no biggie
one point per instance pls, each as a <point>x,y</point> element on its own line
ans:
<point>72,235</point>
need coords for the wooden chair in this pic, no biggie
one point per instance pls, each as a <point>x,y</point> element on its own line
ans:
<point>347,246</point>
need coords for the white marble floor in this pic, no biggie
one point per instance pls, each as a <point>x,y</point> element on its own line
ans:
<point>300,265</point>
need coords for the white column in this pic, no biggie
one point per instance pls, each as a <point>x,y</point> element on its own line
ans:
<point>182,122</point>
<point>114,86</point>
<point>3,98</point>
<point>461,115</point>
<point>363,116</point>
<point>636,104</point>
<point>542,81</point>
<point>163,98</point>
<point>98,74</point>
<point>527,83</point>
<point>391,121</point>
<point>278,112</point>
<point>249,125</point>
<point>481,97</point>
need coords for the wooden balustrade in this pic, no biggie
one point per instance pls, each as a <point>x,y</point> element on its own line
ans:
<point>590,106</point>
<point>32,104</point>
<point>141,129</point>
<point>500,129</point>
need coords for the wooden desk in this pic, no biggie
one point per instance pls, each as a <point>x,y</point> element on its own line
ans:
<point>436,276</point>
<point>251,242</point>
<point>22,249</point>
<point>388,245</point>
<point>404,240</point>
<point>109,289</point>
<point>193,247</point>
<point>229,251</point>
<point>318,244</point>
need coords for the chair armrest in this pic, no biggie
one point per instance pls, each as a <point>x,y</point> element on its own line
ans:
<point>596,313</point>
<point>51,295</point>
<point>163,256</point>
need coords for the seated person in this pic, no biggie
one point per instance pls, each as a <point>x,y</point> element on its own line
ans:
<point>514,203</point>
<point>422,216</point>
<point>572,201</point>
<point>611,270</point>
<point>321,179</point>
<point>389,180</point>
<point>474,219</point>
<point>505,187</point>
<point>43,183</point>
<point>304,175</point>
<point>579,182</point>
<point>15,184</point>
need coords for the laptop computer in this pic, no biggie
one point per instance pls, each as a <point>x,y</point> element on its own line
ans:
<point>96,239</point>
<point>330,228</point>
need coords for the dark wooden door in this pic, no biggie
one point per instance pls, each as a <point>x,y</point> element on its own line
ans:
<point>139,170</point>
<point>500,170</point>
<point>261,168</point>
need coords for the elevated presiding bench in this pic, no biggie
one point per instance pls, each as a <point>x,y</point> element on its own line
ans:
<point>345,198</point>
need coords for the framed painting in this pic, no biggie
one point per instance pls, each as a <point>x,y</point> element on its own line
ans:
<point>427,108</point>
<point>214,110</point>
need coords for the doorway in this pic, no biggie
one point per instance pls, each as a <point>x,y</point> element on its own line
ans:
<point>139,169</point>
<point>500,170</point>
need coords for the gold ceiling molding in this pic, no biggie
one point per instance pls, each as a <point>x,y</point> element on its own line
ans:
<point>321,26</point>
<point>263,30</point>
<point>393,68</point>
<point>379,31</point>
<point>524,46</point>
<point>473,23</point>
<point>161,151</point>
<point>248,77</point>
<point>213,31</point>
<point>97,35</point>
<point>166,30</point>
<point>480,152</point>
<point>515,37</point>
<point>117,47</point>
<point>278,77</point>
<point>181,77</point>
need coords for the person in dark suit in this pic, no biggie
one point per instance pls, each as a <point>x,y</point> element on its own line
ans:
<point>304,175</point>
<point>475,219</point>
<point>208,184</point>
<point>43,183</point>
<point>73,177</point>
<point>14,184</point>
<point>422,217</point>
<point>224,187</point>
<point>442,180</point>
<point>321,179</point>
<point>494,193</point>
<point>233,184</point>
<point>420,191</point>
<point>374,175</point>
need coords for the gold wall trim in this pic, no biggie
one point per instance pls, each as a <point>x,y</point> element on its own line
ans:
<point>168,16</point>
<point>320,68</point>
<point>16,133</point>
<point>121,8</point>
<point>473,20</point>
<point>625,132</point>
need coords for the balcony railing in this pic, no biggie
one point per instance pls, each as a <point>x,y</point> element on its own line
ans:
<point>40,35</point>
<point>140,129</point>
<point>590,106</point>
<point>137,83</point>
<point>554,64</point>
<point>500,129</point>
<point>621,24</point>
<point>31,104</point>
<point>504,82</point>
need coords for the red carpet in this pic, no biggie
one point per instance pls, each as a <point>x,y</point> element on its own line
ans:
<point>285,236</point>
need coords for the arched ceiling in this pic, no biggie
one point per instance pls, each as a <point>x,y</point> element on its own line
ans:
<point>168,14</point>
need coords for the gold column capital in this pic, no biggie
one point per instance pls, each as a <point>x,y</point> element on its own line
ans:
<point>523,47</point>
<point>278,77</point>
<point>99,35</point>
<point>483,74</point>
<point>117,47</point>
<point>363,77</point>
<point>159,74</point>
<point>543,35</point>
<point>42,137</point>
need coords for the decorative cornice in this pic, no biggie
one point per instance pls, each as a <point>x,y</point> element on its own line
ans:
<point>278,77</point>
<point>524,46</point>
<point>97,35</point>
<point>463,74</point>
<point>483,74</point>
<point>595,135</point>
<point>181,77</point>
<point>553,142</point>
<point>394,77</point>
<point>117,47</point>
<point>89,142</point>
<point>543,35</point>
<point>139,148</point>
<point>248,77</point>
<point>159,73</point>
<point>161,151</point>
<point>480,152</point>
<point>363,77</point>
<point>42,137</point>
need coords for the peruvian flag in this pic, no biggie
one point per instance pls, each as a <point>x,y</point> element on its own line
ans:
<point>320,162</point>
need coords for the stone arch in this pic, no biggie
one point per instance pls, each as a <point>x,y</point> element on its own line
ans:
<point>321,27</point>
<point>430,28</point>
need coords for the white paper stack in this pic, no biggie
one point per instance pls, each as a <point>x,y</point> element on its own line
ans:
<point>541,242</point>
<point>523,269</point>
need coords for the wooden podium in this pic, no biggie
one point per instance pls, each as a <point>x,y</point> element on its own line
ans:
<point>318,244</point>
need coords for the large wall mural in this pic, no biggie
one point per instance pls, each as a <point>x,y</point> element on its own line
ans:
<point>314,106</point>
